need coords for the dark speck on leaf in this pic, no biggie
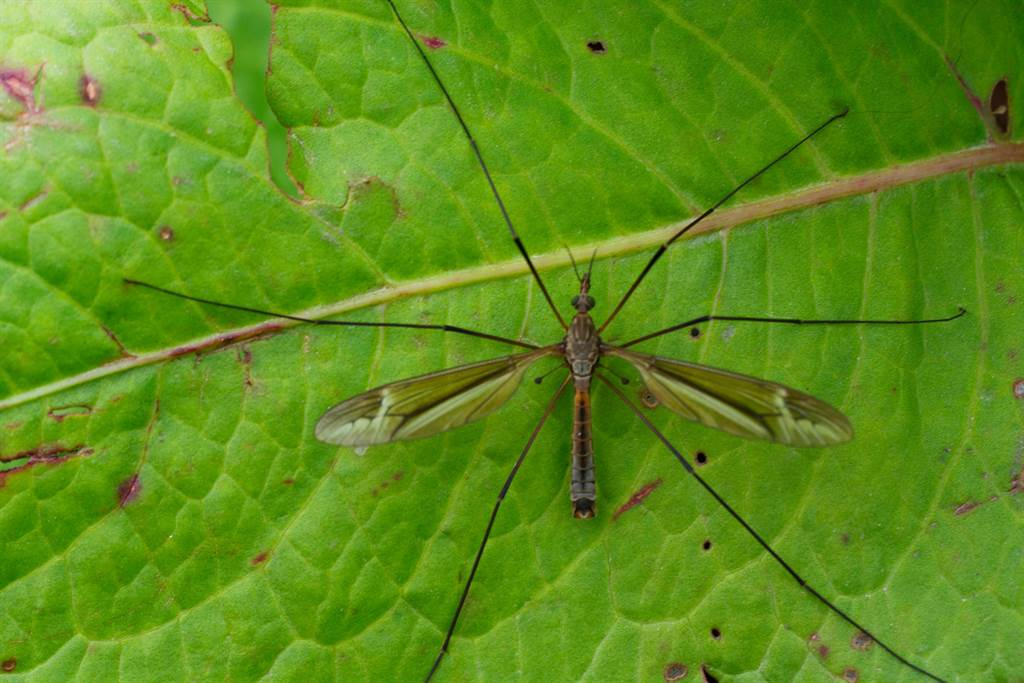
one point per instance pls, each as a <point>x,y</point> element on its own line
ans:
<point>715,633</point>
<point>675,671</point>
<point>701,457</point>
<point>706,545</point>
<point>597,47</point>
<point>259,559</point>
<point>166,233</point>
<point>695,332</point>
<point>288,482</point>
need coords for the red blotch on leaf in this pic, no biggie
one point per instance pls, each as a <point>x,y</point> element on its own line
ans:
<point>89,89</point>
<point>128,490</point>
<point>433,42</point>
<point>21,87</point>
<point>259,559</point>
<point>637,498</point>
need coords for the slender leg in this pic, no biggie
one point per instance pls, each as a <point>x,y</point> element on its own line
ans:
<point>686,228</point>
<point>757,537</point>
<point>344,323</point>
<point>490,523</point>
<point>789,321</point>
<point>483,164</point>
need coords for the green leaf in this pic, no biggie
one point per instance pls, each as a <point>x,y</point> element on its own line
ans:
<point>165,511</point>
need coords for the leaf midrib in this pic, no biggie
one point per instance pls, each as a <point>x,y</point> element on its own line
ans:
<point>822,193</point>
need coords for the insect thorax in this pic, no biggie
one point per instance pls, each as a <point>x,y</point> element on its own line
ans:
<point>582,349</point>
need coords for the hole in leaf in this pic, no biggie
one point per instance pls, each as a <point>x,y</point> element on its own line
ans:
<point>715,633</point>
<point>999,106</point>
<point>706,545</point>
<point>597,47</point>
<point>707,676</point>
<point>701,457</point>
<point>695,332</point>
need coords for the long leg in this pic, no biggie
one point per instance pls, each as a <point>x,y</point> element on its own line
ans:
<point>789,321</point>
<point>757,537</point>
<point>490,523</point>
<point>344,323</point>
<point>686,228</point>
<point>483,165</point>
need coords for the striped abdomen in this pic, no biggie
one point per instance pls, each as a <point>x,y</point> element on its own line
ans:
<point>582,490</point>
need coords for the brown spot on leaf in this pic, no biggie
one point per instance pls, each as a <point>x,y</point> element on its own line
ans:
<point>823,651</point>
<point>850,674</point>
<point>191,17</point>
<point>597,47</point>
<point>844,538</point>
<point>1017,483</point>
<point>128,490</point>
<point>89,89</point>
<point>33,200</point>
<point>861,641</point>
<point>61,413</point>
<point>117,342</point>
<point>259,559</point>
<point>397,476</point>
<point>244,355</point>
<point>287,482</point>
<point>637,498</point>
<point>971,505</point>
<point>999,106</point>
<point>166,233</point>
<point>675,671</point>
<point>1018,388</point>
<point>9,665</point>
<point>433,42</point>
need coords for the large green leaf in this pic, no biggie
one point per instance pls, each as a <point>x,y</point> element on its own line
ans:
<point>168,515</point>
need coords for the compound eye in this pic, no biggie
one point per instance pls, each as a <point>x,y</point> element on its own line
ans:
<point>575,301</point>
<point>588,301</point>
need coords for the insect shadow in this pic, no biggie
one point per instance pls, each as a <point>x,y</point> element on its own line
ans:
<point>737,404</point>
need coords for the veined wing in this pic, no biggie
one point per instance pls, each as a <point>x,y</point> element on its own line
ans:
<point>428,404</point>
<point>738,404</point>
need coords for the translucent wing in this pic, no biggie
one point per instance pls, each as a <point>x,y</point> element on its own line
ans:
<point>738,404</point>
<point>427,404</point>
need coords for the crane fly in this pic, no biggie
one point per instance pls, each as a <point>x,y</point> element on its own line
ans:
<point>737,404</point>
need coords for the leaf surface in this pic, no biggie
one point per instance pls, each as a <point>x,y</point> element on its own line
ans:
<point>165,511</point>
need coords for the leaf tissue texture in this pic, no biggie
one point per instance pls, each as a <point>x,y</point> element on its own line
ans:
<point>166,513</point>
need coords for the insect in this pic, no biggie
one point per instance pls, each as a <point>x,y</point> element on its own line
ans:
<point>737,404</point>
